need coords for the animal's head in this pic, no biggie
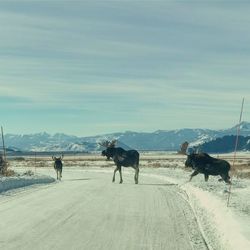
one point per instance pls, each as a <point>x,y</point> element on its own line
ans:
<point>105,153</point>
<point>109,151</point>
<point>57,158</point>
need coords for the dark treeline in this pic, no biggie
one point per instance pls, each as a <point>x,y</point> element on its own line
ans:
<point>226,144</point>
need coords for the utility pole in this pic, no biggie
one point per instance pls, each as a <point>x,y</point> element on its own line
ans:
<point>235,149</point>
<point>35,162</point>
<point>4,151</point>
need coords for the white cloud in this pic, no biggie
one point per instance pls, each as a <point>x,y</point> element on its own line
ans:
<point>156,65</point>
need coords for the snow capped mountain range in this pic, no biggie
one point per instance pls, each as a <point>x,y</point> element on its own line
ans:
<point>158,140</point>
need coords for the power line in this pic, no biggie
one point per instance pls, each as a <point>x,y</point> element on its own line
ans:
<point>235,150</point>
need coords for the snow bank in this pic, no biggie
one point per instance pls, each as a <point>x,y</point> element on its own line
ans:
<point>217,220</point>
<point>8,183</point>
<point>223,228</point>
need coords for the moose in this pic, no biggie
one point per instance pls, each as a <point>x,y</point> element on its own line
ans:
<point>207,165</point>
<point>58,166</point>
<point>121,157</point>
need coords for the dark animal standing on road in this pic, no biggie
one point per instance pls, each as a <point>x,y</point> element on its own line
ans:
<point>121,157</point>
<point>58,166</point>
<point>207,165</point>
<point>107,144</point>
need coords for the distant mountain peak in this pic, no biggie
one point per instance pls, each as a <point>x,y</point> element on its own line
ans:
<point>243,125</point>
<point>158,140</point>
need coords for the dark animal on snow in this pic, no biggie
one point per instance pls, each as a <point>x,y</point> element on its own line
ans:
<point>58,166</point>
<point>107,144</point>
<point>104,154</point>
<point>125,158</point>
<point>207,165</point>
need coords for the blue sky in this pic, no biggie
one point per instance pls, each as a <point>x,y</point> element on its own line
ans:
<point>95,67</point>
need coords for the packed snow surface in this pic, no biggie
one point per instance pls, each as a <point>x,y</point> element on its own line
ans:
<point>164,211</point>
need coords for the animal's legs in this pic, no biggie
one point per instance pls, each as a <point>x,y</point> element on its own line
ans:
<point>206,177</point>
<point>113,180</point>
<point>193,174</point>
<point>226,178</point>
<point>120,171</point>
<point>136,175</point>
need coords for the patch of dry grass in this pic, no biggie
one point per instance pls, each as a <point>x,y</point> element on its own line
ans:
<point>162,163</point>
<point>5,170</point>
<point>241,170</point>
<point>19,158</point>
<point>41,164</point>
<point>241,167</point>
<point>8,173</point>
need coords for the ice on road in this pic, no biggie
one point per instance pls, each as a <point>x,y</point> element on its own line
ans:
<point>87,211</point>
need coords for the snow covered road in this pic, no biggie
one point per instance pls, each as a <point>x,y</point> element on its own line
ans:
<point>86,211</point>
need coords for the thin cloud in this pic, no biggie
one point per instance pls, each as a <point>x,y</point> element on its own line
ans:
<point>123,66</point>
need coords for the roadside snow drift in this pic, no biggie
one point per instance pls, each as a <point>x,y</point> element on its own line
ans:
<point>8,183</point>
<point>223,228</point>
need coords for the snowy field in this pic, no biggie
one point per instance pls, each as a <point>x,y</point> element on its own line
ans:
<point>221,226</point>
